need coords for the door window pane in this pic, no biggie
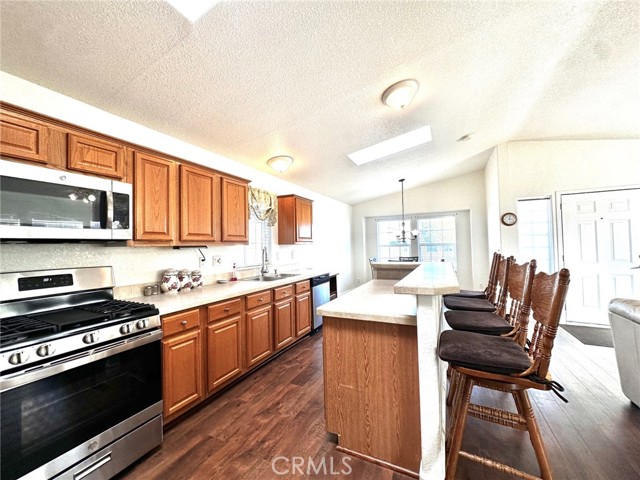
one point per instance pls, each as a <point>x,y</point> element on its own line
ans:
<point>535,232</point>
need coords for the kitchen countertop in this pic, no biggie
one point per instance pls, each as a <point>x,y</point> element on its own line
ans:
<point>429,278</point>
<point>175,302</point>
<point>375,301</point>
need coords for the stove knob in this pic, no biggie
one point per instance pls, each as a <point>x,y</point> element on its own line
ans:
<point>126,328</point>
<point>140,324</point>
<point>90,337</point>
<point>18,358</point>
<point>45,350</point>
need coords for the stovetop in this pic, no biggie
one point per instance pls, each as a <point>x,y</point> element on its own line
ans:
<point>21,328</point>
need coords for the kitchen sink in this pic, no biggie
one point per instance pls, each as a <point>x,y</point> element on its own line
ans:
<point>269,277</point>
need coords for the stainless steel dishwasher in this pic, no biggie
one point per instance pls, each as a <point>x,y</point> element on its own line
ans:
<point>320,296</point>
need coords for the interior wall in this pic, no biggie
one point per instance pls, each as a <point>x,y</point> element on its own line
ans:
<point>462,193</point>
<point>540,168</point>
<point>332,220</point>
<point>492,197</point>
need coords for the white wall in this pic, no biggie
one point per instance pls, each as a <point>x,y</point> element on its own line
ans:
<point>539,168</point>
<point>331,249</point>
<point>466,192</point>
<point>492,195</point>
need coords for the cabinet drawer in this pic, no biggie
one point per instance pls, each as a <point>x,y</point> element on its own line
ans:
<point>282,292</point>
<point>224,309</point>
<point>302,287</point>
<point>258,299</point>
<point>180,322</point>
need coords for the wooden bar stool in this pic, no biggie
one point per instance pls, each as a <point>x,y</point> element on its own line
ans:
<point>481,304</point>
<point>491,283</point>
<point>499,363</point>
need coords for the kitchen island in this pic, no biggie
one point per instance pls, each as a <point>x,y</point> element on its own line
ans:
<point>384,385</point>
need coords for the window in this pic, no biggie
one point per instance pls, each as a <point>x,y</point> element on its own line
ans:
<point>535,232</point>
<point>436,238</point>
<point>259,237</point>
<point>389,247</point>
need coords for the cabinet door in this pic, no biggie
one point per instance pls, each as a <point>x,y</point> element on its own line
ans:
<point>235,211</point>
<point>94,155</point>
<point>155,190</point>
<point>22,138</point>
<point>182,371</point>
<point>303,314</point>
<point>304,220</point>
<point>284,323</point>
<point>259,335</point>
<point>224,351</point>
<point>199,205</point>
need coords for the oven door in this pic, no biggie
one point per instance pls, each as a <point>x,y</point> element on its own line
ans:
<point>55,416</point>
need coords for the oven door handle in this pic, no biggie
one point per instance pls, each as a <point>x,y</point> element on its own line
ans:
<point>29,375</point>
<point>92,468</point>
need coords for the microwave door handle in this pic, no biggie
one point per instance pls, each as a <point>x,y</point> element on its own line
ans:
<point>109,207</point>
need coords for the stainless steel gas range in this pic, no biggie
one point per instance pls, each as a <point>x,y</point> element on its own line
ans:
<point>80,376</point>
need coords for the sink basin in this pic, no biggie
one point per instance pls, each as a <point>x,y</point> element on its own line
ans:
<point>269,277</point>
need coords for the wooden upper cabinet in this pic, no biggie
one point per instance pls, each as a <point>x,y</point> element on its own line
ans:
<point>235,211</point>
<point>94,155</point>
<point>295,220</point>
<point>23,138</point>
<point>155,198</point>
<point>199,205</point>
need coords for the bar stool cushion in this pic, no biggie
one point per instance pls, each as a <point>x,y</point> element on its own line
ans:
<point>474,304</point>
<point>486,323</point>
<point>482,352</point>
<point>468,294</point>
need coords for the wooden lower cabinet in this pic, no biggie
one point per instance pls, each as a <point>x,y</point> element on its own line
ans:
<point>182,371</point>
<point>284,323</point>
<point>303,314</point>
<point>259,334</point>
<point>224,351</point>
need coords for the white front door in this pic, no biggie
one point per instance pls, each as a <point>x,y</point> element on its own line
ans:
<point>601,244</point>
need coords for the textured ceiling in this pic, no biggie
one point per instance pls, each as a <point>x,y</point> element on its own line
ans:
<point>251,80</point>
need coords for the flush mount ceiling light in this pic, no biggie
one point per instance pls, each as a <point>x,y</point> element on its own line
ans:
<point>393,145</point>
<point>400,94</point>
<point>281,163</point>
<point>192,10</point>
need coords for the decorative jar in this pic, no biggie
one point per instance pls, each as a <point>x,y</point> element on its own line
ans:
<point>184,276</point>
<point>170,282</point>
<point>196,278</point>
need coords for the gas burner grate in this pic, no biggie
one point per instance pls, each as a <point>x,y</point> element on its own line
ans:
<point>117,308</point>
<point>18,328</point>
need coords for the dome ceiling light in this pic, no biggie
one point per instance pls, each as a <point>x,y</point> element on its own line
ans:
<point>281,163</point>
<point>400,94</point>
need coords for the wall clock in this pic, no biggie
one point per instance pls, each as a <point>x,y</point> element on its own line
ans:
<point>509,219</point>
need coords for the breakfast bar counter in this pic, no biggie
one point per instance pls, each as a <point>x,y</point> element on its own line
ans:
<point>384,385</point>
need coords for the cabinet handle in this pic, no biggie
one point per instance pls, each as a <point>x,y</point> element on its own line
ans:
<point>226,309</point>
<point>260,299</point>
<point>183,322</point>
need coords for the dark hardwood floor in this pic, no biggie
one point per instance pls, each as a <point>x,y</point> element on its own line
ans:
<point>276,414</point>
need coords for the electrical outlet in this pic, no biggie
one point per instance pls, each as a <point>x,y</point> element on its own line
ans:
<point>217,260</point>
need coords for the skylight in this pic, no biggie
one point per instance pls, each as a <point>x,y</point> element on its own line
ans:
<point>393,145</point>
<point>192,10</point>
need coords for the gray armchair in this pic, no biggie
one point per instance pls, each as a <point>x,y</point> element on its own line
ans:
<point>624,316</point>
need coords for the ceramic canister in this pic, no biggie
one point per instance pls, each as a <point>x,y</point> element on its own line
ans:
<point>170,282</point>
<point>196,278</point>
<point>184,276</point>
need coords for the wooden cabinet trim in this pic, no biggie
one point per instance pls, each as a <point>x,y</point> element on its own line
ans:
<point>23,138</point>
<point>258,299</point>
<point>221,310</point>
<point>94,155</point>
<point>180,322</point>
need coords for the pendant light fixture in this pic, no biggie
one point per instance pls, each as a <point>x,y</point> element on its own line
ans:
<point>403,235</point>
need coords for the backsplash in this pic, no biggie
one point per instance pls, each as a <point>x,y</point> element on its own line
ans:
<point>137,266</point>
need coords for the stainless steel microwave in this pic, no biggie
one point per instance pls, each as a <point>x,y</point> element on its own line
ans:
<point>38,203</point>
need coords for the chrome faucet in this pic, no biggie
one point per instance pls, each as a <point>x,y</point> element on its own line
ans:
<point>265,261</point>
